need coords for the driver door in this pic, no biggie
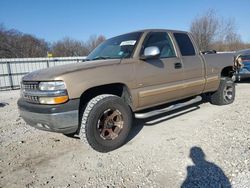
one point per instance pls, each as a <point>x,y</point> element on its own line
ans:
<point>159,80</point>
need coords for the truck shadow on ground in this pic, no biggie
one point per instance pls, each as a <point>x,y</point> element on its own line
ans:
<point>140,123</point>
<point>204,173</point>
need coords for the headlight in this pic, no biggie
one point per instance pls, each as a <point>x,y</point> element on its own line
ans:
<point>54,92</point>
<point>51,92</point>
<point>52,86</point>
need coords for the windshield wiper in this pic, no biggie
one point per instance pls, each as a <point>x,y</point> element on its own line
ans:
<point>101,57</point>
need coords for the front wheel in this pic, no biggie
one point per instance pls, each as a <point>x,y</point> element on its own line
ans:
<point>225,93</point>
<point>106,123</point>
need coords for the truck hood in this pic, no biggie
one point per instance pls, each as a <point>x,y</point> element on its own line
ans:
<point>57,71</point>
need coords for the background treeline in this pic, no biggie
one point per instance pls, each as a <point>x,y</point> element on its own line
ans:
<point>216,33</point>
<point>210,31</point>
<point>15,44</point>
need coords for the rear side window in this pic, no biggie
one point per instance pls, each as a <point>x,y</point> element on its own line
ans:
<point>163,42</point>
<point>185,45</point>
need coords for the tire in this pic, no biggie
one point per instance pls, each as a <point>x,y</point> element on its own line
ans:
<point>225,93</point>
<point>106,122</point>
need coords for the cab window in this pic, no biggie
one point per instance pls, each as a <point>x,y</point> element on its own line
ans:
<point>163,42</point>
<point>185,44</point>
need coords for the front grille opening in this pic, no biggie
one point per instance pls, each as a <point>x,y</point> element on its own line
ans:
<point>32,99</point>
<point>30,86</point>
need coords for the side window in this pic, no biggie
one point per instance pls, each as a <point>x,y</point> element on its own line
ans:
<point>185,45</point>
<point>163,42</point>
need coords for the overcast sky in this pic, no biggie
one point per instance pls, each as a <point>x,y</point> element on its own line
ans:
<point>54,19</point>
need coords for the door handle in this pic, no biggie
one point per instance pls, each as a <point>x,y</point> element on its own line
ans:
<point>177,65</point>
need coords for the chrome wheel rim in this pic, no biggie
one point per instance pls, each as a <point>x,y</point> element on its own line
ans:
<point>228,93</point>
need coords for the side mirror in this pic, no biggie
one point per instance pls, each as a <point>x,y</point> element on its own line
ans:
<point>152,52</point>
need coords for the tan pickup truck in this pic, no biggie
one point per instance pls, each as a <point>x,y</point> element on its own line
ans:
<point>123,78</point>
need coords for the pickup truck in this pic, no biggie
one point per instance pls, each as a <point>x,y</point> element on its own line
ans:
<point>124,78</point>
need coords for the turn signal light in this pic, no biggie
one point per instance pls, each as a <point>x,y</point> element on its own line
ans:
<point>53,100</point>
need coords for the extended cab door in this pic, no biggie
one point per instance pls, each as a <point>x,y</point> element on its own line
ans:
<point>159,80</point>
<point>193,65</point>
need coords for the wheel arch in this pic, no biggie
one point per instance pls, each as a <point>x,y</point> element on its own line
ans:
<point>118,89</point>
<point>227,72</point>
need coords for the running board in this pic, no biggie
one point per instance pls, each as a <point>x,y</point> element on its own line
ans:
<point>168,109</point>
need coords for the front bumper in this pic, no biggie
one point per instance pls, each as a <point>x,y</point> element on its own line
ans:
<point>63,118</point>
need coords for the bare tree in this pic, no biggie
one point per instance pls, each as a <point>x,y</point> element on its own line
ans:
<point>228,35</point>
<point>32,47</point>
<point>72,47</point>
<point>204,29</point>
<point>247,45</point>
<point>7,43</point>
<point>69,47</point>
<point>94,41</point>
<point>212,32</point>
<point>15,44</point>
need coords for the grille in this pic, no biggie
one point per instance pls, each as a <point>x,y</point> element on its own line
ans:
<point>26,88</point>
<point>32,99</point>
<point>30,85</point>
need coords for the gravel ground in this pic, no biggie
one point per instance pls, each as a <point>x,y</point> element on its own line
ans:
<point>200,146</point>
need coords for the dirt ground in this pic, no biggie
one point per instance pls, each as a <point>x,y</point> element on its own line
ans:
<point>202,146</point>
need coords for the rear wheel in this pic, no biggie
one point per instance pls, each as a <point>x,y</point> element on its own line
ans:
<point>225,93</point>
<point>106,123</point>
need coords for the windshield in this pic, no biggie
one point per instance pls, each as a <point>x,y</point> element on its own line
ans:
<point>115,48</point>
